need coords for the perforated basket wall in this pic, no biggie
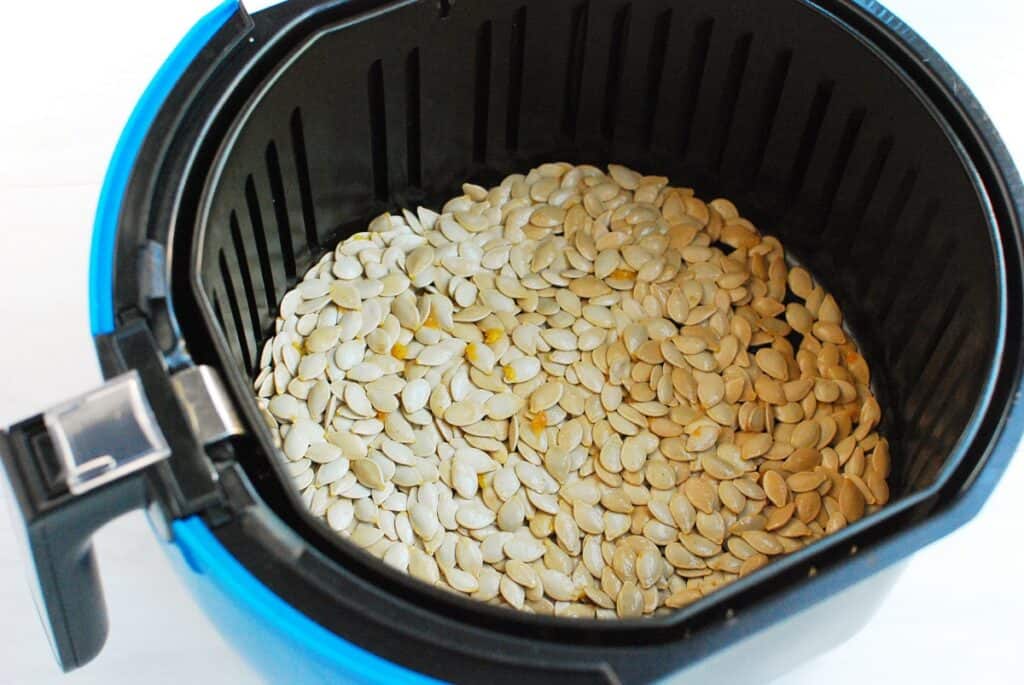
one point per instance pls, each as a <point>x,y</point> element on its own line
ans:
<point>786,113</point>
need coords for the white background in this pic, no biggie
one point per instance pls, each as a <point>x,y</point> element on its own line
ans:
<point>71,73</point>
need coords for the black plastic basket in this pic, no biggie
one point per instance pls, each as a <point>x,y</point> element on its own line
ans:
<point>829,123</point>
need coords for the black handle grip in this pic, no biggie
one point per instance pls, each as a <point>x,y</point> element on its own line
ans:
<point>57,529</point>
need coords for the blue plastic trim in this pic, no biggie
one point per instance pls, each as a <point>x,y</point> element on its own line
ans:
<point>101,259</point>
<point>259,613</point>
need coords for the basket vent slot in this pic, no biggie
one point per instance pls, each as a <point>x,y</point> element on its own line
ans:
<point>305,191</point>
<point>809,139</point>
<point>922,310</point>
<point>893,310</point>
<point>865,196</point>
<point>766,116</point>
<point>482,98</point>
<point>517,54</point>
<point>218,312</point>
<point>236,314</point>
<point>730,94</point>
<point>378,130</point>
<point>574,69</point>
<point>243,268</point>
<point>613,80</point>
<point>834,177</point>
<point>898,258</point>
<point>412,124</point>
<point>943,385</point>
<point>875,233</point>
<point>259,233</point>
<point>284,229</point>
<point>655,72</point>
<point>692,79</point>
<point>922,361</point>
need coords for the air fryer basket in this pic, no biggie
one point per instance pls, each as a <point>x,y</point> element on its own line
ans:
<point>786,113</point>
<point>822,138</point>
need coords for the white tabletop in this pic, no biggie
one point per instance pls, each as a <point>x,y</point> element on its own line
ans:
<point>72,72</point>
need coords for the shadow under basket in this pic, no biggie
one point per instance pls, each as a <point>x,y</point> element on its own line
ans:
<point>830,125</point>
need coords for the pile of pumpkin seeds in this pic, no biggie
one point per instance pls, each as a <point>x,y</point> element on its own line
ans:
<point>578,393</point>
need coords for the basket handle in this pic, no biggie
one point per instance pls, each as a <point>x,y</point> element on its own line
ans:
<point>71,470</point>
